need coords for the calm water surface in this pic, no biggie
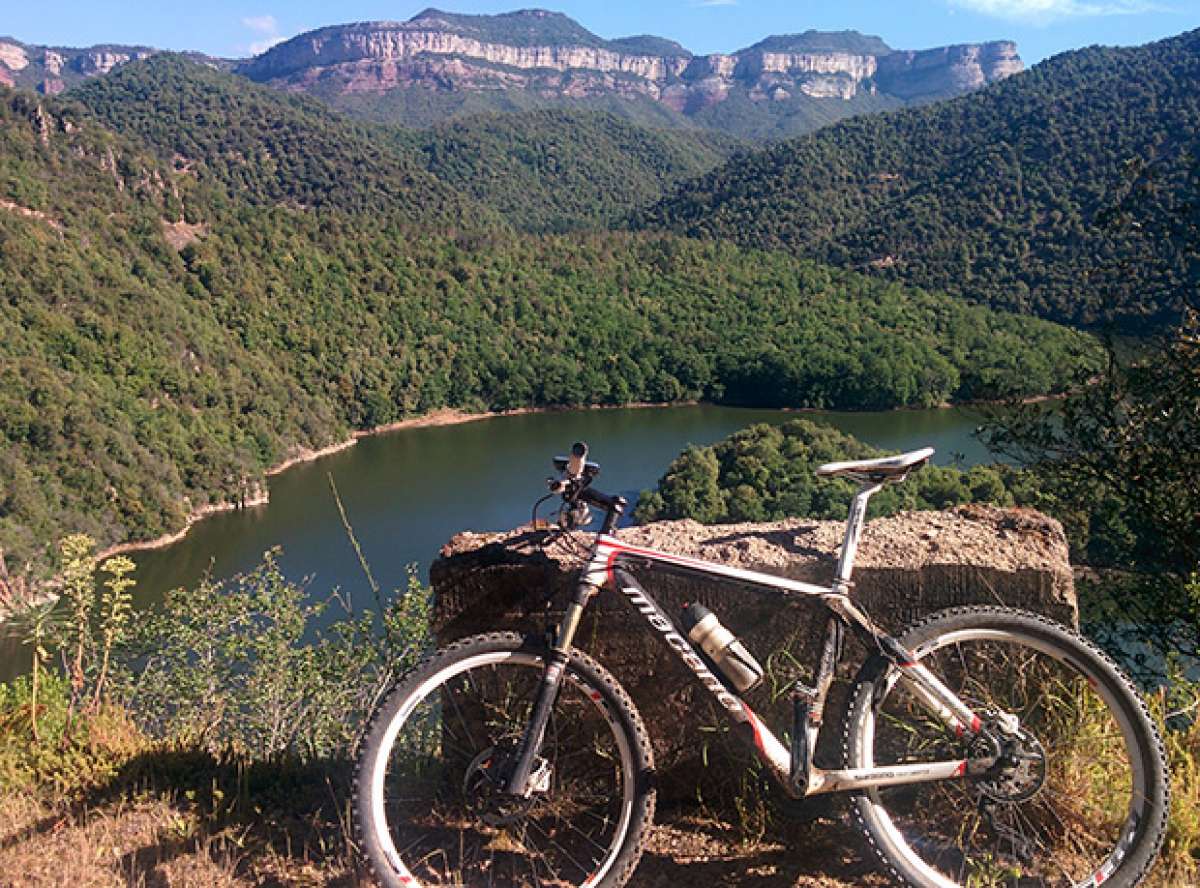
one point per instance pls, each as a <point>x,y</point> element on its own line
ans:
<point>409,491</point>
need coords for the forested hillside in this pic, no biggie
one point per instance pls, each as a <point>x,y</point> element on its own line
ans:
<point>542,170</point>
<point>264,148</point>
<point>559,170</point>
<point>153,365</point>
<point>1000,196</point>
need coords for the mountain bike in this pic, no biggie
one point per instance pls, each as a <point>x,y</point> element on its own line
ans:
<point>982,746</point>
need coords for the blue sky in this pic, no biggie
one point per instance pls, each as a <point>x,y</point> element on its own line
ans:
<point>236,27</point>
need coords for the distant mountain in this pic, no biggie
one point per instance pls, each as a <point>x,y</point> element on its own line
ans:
<point>1003,196</point>
<point>782,85</point>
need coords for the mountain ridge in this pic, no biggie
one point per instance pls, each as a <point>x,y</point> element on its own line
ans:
<point>550,55</point>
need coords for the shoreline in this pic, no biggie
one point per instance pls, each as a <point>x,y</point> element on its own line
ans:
<point>449,416</point>
<point>261,496</point>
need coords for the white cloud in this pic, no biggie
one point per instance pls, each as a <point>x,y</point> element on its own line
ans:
<point>1044,11</point>
<point>268,30</point>
<point>264,24</point>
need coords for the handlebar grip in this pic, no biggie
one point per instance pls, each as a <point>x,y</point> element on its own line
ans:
<point>575,464</point>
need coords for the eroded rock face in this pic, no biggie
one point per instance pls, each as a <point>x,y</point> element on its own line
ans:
<point>53,62</point>
<point>429,51</point>
<point>948,70</point>
<point>909,565</point>
<point>100,61</point>
<point>51,70</point>
<point>13,57</point>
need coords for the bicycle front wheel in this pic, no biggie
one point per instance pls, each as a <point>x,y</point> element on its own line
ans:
<point>429,799</point>
<point>1078,794</point>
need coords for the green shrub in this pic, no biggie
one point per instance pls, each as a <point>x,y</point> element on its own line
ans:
<point>69,754</point>
<point>240,668</point>
<point>1177,708</point>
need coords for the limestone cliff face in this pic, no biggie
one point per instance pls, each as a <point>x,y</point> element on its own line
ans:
<point>13,57</point>
<point>441,51</point>
<point>50,70</point>
<point>396,43</point>
<point>948,70</point>
<point>101,61</point>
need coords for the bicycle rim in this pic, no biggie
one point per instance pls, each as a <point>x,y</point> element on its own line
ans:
<point>437,810</point>
<point>1065,806</point>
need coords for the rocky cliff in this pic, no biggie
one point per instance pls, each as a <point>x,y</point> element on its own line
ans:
<point>52,69</point>
<point>550,55</point>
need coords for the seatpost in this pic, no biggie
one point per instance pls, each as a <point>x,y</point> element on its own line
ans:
<point>854,527</point>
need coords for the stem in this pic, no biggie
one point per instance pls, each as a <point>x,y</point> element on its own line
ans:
<point>33,691</point>
<point>362,559</point>
<point>101,677</point>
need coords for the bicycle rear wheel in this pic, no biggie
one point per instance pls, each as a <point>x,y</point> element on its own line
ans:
<point>429,797</point>
<point>1079,794</point>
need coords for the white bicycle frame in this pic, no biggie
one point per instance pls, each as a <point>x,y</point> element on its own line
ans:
<point>793,767</point>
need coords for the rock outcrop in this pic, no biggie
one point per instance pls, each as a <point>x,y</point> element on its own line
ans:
<point>909,565</point>
<point>13,57</point>
<point>549,54</point>
<point>50,70</point>
<point>947,71</point>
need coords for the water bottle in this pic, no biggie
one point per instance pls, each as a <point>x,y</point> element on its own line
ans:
<point>722,647</point>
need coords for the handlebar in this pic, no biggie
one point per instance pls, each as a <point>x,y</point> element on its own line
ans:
<point>574,482</point>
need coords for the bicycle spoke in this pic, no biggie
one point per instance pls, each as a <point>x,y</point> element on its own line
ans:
<point>1052,808</point>
<point>444,784</point>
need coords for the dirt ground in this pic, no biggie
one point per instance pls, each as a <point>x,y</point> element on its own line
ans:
<point>155,841</point>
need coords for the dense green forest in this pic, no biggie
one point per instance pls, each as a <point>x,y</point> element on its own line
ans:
<point>421,108</point>
<point>787,118</point>
<point>998,196</point>
<point>144,377</point>
<point>765,473</point>
<point>259,147</point>
<point>556,170</point>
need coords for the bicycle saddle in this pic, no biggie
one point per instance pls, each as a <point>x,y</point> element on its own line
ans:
<point>887,468</point>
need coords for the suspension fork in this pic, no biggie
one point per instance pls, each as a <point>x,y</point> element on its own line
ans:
<point>552,678</point>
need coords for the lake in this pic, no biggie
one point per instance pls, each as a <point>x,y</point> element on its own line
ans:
<point>408,491</point>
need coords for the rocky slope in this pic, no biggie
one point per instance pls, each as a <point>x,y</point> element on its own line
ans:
<point>550,55</point>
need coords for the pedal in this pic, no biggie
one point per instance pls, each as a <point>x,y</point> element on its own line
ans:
<point>539,780</point>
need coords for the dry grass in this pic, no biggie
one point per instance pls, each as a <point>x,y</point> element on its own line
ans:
<point>159,839</point>
<point>1180,861</point>
<point>165,839</point>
